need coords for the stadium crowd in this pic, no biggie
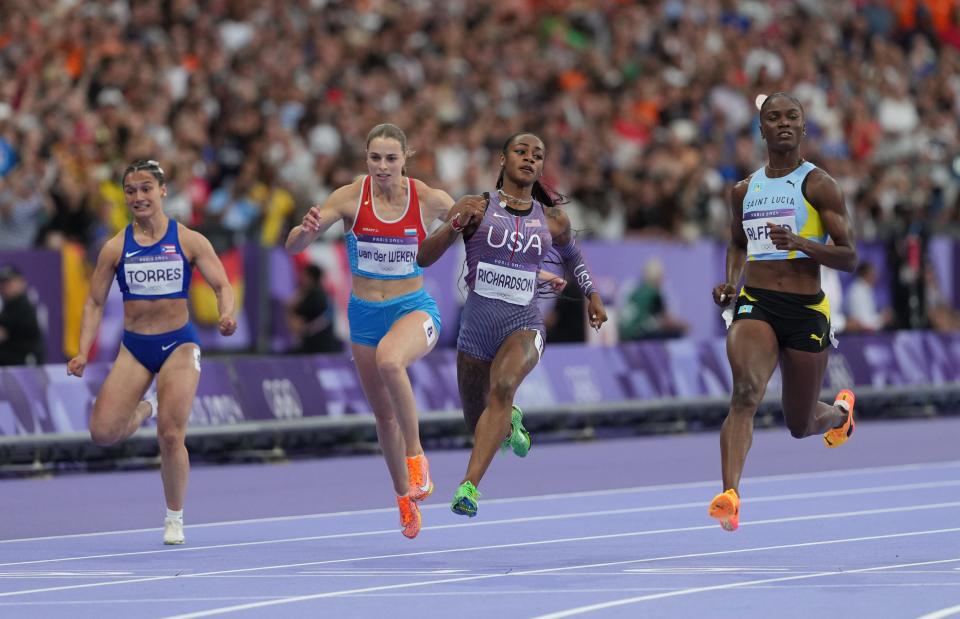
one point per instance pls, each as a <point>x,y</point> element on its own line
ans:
<point>257,108</point>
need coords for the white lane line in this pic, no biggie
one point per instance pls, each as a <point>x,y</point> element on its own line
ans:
<point>580,610</point>
<point>505,521</point>
<point>422,553</point>
<point>462,594</point>
<point>943,612</point>
<point>538,498</point>
<point>304,598</point>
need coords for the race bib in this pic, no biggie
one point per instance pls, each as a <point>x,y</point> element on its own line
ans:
<point>504,283</point>
<point>758,235</point>
<point>154,275</point>
<point>385,256</point>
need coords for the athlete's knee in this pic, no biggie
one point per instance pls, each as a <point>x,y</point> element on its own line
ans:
<point>470,418</point>
<point>385,418</point>
<point>799,425</point>
<point>746,396</point>
<point>503,388</point>
<point>171,437</point>
<point>389,363</point>
<point>105,436</point>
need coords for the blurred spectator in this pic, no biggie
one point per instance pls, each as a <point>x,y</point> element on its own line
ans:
<point>940,313</point>
<point>233,209</point>
<point>907,251</point>
<point>644,314</point>
<point>21,342</point>
<point>22,209</point>
<point>862,312</point>
<point>649,105</point>
<point>309,315</point>
<point>567,319</point>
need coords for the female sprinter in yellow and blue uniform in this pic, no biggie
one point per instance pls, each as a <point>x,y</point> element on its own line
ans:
<point>781,218</point>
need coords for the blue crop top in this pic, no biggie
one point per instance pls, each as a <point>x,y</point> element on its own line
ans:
<point>158,271</point>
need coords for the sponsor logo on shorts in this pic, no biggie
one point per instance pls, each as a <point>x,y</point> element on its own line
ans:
<point>430,330</point>
<point>745,309</point>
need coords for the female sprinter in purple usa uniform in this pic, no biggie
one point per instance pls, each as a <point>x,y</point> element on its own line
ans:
<point>507,236</point>
<point>393,321</point>
<point>152,261</point>
<point>782,215</point>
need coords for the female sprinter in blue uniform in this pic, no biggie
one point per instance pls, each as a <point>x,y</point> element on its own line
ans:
<point>393,321</point>
<point>152,260</point>
<point>782,215</point>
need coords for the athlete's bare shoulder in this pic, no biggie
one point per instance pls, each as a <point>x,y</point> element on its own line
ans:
<point>344,199</point>
<point>822,190</point>
<point>742,185</point>
<point>436,200</point>
<point>350,189</point>
<point>112,249</point>
<point>820,180</point>
<point>557,214</point>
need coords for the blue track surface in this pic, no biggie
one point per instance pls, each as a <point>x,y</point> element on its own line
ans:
<point>819,537</point>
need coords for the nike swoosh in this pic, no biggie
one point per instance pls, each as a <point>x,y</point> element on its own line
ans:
<point>132,253</point>
<point>425,487</point>
<point>167,346</point>
<point>500,216</point>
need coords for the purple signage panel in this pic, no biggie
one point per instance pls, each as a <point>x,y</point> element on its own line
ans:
<point>45,400</point>
<point>902,358</point>
<point>218,400</point>
<point>581,374</point>
<point>282,388</point>
<point>42,269</point>
<point>336,380</point>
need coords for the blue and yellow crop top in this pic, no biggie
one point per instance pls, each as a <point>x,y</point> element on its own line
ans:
<point>780,201</point>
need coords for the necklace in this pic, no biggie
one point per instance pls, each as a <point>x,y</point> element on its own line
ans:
<point>785,169</point>
<point>512,199</point>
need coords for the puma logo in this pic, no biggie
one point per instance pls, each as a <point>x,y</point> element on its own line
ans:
<point>792,184</point>
<point>819,339</point>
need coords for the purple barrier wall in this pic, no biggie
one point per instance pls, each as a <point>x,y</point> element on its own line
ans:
<point>44,400</point>
<point>44,275</point>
